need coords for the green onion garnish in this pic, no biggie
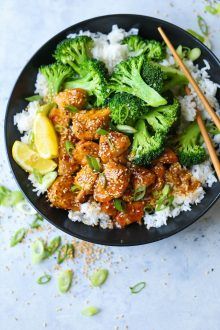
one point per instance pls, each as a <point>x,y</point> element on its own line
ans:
<point>25,208</point>
<point>33,98</point>
<point>165,199</point>
<point>94,163</point>
<point>18,237</point>
<point>45,109</point>
<point>71,108</point>
<point>75,187</point>
<point>99,277</point>
<point>54,245</point>
<point>203,25</point>
<point>69,146</point>
<point>37,221</point>
<point>44,279</point>
<point>37,176</point>
<point>194,54</point>
<point>101,131</point>
<point>126,129</point>
<point>118,204</point>
<point>139,193</point>
<point>90,311</point>
<point>138,287</point>
<point>213,9</point>
<point>197,35</point>
<point>38,251</point>
<point>9,197</point>
<point>65,280</point>
<point>66,252</point>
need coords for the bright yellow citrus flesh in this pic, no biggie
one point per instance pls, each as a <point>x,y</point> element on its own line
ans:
<point>30,160</point>
<point>45,138</point>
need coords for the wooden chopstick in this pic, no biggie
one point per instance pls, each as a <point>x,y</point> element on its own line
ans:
<point>208,141</point>
<point>192,81</point>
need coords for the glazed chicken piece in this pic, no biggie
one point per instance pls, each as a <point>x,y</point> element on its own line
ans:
<point>113,146</point>
<point>133,212</point>
<point>112,182</point>
<point>85,179</point>
<point>142,177</point>
<point>66,162</point>
<point>60,118</point>
<point>60,195</point>
<point>76,97</point>
<point>168,157</point>
<point>86,123</point>
<point>83,149</point>
<point>159,171</point>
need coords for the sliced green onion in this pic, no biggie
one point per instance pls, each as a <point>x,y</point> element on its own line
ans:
<point>94,163</point>
<point>213,9</point>
<point>203,25</point>
<point>25,208</point>
<point>37,176</point>
<point>118,204</point>
<point>75,187</point>
<point>197,35</point>
<point>90,311</point>
<point>37,221</point>
<point>66,252</point>
<point>69,146</point>
<point>99,277</point>
<point>138,287</point>
<point>165,199</point>
<point>126,129</point>
<point>54,245</point>
<point>71,108</point>
<point>65,280</point>
<point>33,98</point>
<point>18,237</point>
<point>101,131</point>
<point>48,179</point>
<point>10,198</point>
<point>44,279</point>
<point>139,193</point>
<point>194,54</point>
<point>59,128</point>
<point>45,109</point>
<point>110,143</point>
<point>165,190</point>
<point>38,251</point>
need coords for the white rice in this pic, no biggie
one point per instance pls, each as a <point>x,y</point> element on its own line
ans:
<point>91,214</point>
<point>25,119</point>
<point>108,49</point>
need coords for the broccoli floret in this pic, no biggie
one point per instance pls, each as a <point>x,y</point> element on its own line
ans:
<point>136,45</point>
<point>74,52</point>
<point>93,80</point>
<point>146,146</point>
<point>152,49</point>
<point>125,108</point>
<point>153,76</point>
<point>161,119</point>
<point>56,74</point>
<point>173,78</point>
<point>127,78</point>
<point>155,50</point>
<point>189,150</point>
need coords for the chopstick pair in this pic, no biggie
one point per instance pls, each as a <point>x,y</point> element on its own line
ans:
<point>213,115</point>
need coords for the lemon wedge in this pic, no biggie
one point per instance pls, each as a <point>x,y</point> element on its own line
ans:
<point>30,160</point>
<point>45,138</point>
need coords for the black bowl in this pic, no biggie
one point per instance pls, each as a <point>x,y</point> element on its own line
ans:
<point>134,234</point>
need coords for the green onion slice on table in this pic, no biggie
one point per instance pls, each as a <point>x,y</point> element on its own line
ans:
<point>18,236</point>
<point>65,280</point>
<point>90,311</point>
<point>38,251</point>
<point>99,277</point>
<point>138,287</point>
<point>54,245</point>
<point>44,279</point>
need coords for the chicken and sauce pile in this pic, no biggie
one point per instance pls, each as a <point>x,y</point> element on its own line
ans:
<point>116,184</point>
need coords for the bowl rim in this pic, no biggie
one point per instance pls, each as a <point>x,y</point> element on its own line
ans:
<point>10,160</point>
